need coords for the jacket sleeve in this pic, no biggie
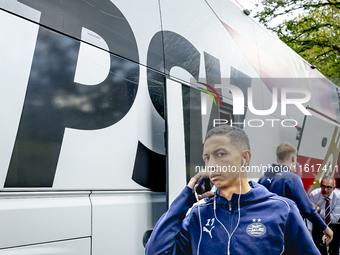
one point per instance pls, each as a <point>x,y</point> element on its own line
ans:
<point>170,235</point>
<point>299,196</point>
<point>297,238</point>
<point>335,213</point>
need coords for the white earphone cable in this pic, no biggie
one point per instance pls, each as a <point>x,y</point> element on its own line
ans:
<point>239,213</point>
<point>199,217</point>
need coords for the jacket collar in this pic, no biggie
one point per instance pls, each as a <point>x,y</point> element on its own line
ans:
<point>257,193</point>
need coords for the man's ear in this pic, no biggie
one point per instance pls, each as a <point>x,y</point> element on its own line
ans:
<point>293,158</point>
<point>247,156</point>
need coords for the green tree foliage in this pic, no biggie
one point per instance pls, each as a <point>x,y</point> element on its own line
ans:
<point>311,28</point>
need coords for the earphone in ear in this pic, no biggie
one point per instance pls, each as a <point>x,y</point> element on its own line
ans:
<point>244,161</point>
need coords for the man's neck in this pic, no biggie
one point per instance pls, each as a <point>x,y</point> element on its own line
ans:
<point>227,192</point>
<point>286,163</point>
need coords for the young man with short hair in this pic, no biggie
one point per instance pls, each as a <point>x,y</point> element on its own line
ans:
<point>241,218</point>
<point>280,180</point>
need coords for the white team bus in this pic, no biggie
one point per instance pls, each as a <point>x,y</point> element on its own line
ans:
<point>104,106</point>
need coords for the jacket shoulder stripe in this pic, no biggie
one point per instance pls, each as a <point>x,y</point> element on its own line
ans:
<point>276,198</point>
<point>202,204</point>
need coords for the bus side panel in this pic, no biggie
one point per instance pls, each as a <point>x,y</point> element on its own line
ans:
<point>70,247</point>
<point>318,150</point>
<point>126,29</point>
<point>33,218</point>
<point>214,53</point>
<point>69,114</point>
<point>16,54</point>
<point>120,220</point>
